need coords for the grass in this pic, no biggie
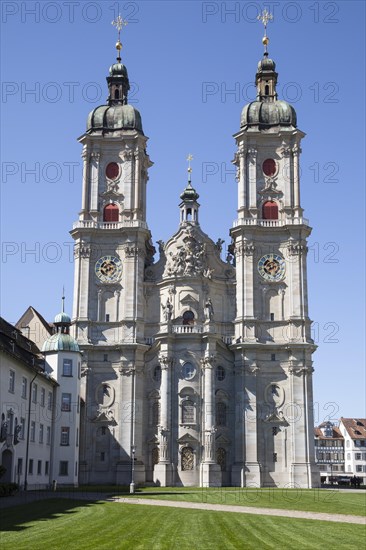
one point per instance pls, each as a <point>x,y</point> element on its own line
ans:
<point>312,500</point>
<point>71,524</point>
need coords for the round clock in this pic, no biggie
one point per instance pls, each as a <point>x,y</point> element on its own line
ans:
<point>108,269</point>
<point>272,267</point>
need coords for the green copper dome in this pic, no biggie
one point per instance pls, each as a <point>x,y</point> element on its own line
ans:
<point>60,342</point>
<point>62,318</point>
<point>266,64</point>
<point>118,69</point>
<point>107,118</point>
<point>265,115</point>
<point>189,193</point>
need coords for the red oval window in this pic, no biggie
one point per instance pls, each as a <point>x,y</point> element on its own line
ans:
<point>112,170</point>
<point>269,167</point>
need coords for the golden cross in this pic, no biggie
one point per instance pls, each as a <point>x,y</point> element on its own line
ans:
<point>119,23</point>
<point>189,158</point>
<point>265,16</point>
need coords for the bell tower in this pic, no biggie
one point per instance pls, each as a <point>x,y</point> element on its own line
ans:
<point>112,248</point>
<point>273,346</point>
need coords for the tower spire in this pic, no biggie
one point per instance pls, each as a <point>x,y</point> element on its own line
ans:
<point>63,300</point>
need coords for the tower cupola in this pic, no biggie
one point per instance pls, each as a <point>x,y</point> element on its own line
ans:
<point>189,205</point>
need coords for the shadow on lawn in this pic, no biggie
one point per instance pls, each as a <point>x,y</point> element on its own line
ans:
<point>14,518</point>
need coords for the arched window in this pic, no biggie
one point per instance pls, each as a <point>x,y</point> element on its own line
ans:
<point>188,318</point>
<point>155,411</point>
<point>220,414</point>
<point>155,456</point>
<point>116,94</point>
<point>220,373</point>
<point>270,211</point>
<point>221,458</point>
<point>187,458</point>
<point>111,213</point>
<point>187,412</point>
<point>157,373</point>
<point>266,90</point>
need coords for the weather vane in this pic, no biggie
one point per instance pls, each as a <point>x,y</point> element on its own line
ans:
<point>265,17</point>
<point>119,23</point>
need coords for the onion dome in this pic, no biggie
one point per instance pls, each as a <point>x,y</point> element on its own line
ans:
<point>119,117</point>
<point>117,114</point>
<point>61,340</point>
<point>267,111</point>
<point>189,194</point>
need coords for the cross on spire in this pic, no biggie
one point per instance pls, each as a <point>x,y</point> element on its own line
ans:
<point>119,23</point>
<point>189,159</point>
<point>265,17</point>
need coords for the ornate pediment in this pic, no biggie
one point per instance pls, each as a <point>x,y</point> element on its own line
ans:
<point>105,415</point>
<point>189,258</point>
<point>187,438</point>
<point>276,418</point>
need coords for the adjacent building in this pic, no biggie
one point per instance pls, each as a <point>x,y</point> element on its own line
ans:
<point>353,431</point>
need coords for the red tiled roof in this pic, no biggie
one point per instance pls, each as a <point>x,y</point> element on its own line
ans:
<point>356,427</point>
<point>336,433</point>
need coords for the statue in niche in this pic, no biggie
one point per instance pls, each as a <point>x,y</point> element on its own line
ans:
<point>209,310</point>
<point>167,310</point>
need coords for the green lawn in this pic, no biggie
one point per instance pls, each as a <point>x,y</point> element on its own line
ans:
<point>75,525</point>
<point>312,500</point>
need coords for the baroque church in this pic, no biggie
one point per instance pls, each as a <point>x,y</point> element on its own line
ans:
<point>194,370</point>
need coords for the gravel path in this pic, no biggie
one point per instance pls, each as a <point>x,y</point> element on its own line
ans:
<point>338,518</point>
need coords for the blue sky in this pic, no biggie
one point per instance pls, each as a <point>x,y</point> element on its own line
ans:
<point>192,67</point>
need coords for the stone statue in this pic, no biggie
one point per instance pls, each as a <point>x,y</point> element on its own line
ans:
<point>209,310</point>
<point>167,310</point>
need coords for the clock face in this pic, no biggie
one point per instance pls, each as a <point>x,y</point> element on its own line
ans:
<point>272,267</point>
<point>108,269</point>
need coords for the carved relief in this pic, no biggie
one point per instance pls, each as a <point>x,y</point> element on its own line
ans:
<point>82,250</point>
<point>190,259</point>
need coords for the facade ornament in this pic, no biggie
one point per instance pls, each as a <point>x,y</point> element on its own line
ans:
<point>131,251</point>
<point>252,369</point>
<point>82,250</point>
<point>190,259</point>
<point>208,362</point>
<point>285,151</point>
<point>208,272</point>
<point>165,362</point>
<point>219,244</point>
<point>295,249</point>
<point>95,156</point>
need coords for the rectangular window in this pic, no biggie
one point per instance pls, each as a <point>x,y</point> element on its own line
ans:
<point>77,437</point>
<point>48,435</point>
<point>33,431</point>
<point>22,428</point>
<point>79,370</point>
<point>76,468</point>
<point>274,457</point>
<point>65,436</point>
<point>39,467</point>
<point>30,467</point>
<point>34,393</point>
<point>272,316</point>
<point>20,466</point>
<point>64,468</point>
<point>102,456</point>
<point>67,367</point>
<point>11,381</point>
<point>24,387</point>
<point>43,397</point>
<point>66,402</point>
<point>46,468</point>
<point>78,406</point>
<point>358,456</point>
<point>49,401</point>
<point>107,317</point>
<point>41,433</point>
<point>358,468</point>
<point>273,357</point>
<point>105,357</point>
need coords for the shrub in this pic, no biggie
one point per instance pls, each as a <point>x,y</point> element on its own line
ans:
<point>8,489</point>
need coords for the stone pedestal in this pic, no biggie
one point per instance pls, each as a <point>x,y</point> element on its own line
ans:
<point>163,475</point>
<point>211,475</point>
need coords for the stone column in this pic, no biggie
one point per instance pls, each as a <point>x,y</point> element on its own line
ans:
<point>163,470</point>
<point>210,471</point>
<point>252,160</point>
<point>252,475</point>
<point>296,153</point>
<point>237,472</point>
<point>94,180</point>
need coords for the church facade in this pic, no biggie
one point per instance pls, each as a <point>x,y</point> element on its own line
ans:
<point>195,370</point>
